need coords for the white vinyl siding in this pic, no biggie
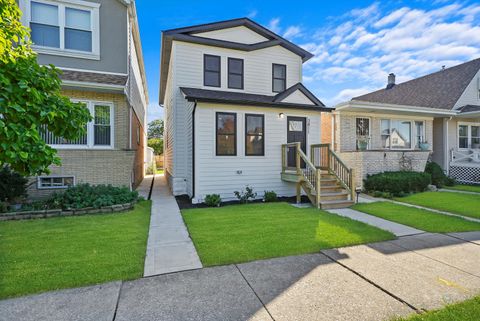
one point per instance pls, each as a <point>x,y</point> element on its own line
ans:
<point>297,97</point>
<point>236,34</point>
<point>257,66</point>
<point>221,175</point>
<point>471,95</point>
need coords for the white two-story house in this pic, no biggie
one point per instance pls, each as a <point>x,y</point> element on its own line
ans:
<point>233,95</point>
<point>96,44</point>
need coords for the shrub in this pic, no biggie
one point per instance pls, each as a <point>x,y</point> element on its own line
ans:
<point>439,178</point>
<point>270,196</point>
<point>85,195</point>
<point>245,196</point>
<point>12,185</point>
<point>213,200</point>
<point>397,183</point>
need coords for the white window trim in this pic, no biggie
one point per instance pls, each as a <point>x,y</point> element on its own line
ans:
<point>413,131</point>
<point>39,178</point>
<point>469,134</point>
<point>90,128</point>
<point>25,6</point>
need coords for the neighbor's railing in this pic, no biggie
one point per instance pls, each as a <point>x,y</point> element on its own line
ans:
<point>324,158</point>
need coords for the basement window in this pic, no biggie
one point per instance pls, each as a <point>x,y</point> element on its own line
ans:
<point>53,182</point>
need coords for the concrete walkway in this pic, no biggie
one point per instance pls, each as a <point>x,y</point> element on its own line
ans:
<point>395,228</point>
<point>458,191</point>
<point>169,247</point>
<point>368,282</point>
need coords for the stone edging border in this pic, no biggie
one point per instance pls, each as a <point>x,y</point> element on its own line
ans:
<point>58,212</point>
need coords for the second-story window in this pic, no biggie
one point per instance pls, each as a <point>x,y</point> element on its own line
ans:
<point>235,73</point>
<point>279,78</point>
<point>211,70</point>
<point>64,28</point>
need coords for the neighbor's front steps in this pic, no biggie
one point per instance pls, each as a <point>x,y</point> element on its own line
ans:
<point>377,281</point>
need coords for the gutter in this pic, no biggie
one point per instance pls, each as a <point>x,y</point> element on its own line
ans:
<point>193,148</point>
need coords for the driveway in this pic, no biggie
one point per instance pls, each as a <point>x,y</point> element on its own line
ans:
<point>366,282</point>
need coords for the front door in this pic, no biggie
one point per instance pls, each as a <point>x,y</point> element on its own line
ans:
<point>296,132</point>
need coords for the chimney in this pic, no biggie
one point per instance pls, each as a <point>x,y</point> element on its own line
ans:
<point>391,80</point>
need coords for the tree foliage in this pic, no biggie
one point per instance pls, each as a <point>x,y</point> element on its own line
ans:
<point>30,99</point>
<point>155,129</point>
<point>156,144</point>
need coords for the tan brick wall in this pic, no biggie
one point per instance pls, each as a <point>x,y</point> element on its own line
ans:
<point>138,145</point>
<point>120,112</point>
<point>373,162</point>
<point>92,166</point>
<point>326,123</point>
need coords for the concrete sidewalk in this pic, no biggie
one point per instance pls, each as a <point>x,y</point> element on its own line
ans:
<point>395,228</point>
<point>367,282</point>
<point>169,247</point>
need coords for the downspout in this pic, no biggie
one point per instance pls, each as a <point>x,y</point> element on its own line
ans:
<point>193,148</point>
<point>447,148</point>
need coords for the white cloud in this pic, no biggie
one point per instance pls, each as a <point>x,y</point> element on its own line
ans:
<point>292,32</point>
<point>274,25</point>
<point>252,14</point>
<point>347,94</point>
<point>154,111</point>
<point>358,49</point>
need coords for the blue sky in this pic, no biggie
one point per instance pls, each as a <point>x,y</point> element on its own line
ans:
<point>356,43</point>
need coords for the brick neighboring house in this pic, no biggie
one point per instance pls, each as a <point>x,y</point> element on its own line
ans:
<point>436,116</point>
<point>97,46</point>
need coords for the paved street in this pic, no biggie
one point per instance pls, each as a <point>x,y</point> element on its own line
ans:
<point>366,282</point>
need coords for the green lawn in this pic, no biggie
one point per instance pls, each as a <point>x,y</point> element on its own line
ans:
<point>463,204</point>
<point>241,233</point>
<point>54,253</point>
<point>418,218</point>
<point>468,188</point>
<point>464,311</point>
<point>159,171</point>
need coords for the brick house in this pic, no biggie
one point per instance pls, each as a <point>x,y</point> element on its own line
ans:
<point>97,46</point>
<point>436,116</point>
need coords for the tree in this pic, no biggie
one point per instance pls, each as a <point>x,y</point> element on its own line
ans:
<point>156,144</point>
<point>155,129</point>
<point>30,99</point>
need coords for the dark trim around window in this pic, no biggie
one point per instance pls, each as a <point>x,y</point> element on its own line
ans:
<point>274,78</point>
<point>262,135</point>
<point>234,73</point>
<point>219,71</point>
<point>233,134</point>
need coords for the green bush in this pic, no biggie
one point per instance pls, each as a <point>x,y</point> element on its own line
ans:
<point>439,178</point>
<point>12,185</point>
<point>213,200</point>
<point>245,196</point>
<point>397,183</point>
<point>85,195</point>
<point>270,196</point>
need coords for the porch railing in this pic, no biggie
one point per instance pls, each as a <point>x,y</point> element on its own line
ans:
<point>324,158</point>
<point>310,175</point>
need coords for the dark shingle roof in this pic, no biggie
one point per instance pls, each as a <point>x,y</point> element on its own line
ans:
<point>93,77</point>
<point>441,89</point>
<point>238,98</point>
<point>469,108</point>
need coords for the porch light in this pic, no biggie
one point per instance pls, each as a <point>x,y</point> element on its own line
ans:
<point>281,115</point>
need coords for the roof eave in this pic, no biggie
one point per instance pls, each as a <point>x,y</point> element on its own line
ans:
<point>357,104</point>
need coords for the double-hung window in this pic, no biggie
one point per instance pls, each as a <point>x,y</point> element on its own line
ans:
<point>211,71</point>
<point>419,133</point>
<point>254,135</point>
<point>99,132</point>
<point>469,136</point>
<point>362,125</point>
<point>64,28</point>
<point>279,78</point>
<point>226,134</point>
<point>235,73</point>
